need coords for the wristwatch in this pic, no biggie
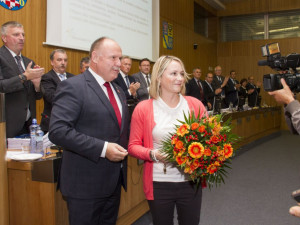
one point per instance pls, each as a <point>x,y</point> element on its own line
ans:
<point>23,78</point>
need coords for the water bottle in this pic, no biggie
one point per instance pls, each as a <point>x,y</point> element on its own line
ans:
<point>39,141</point>
<point>33,128</point>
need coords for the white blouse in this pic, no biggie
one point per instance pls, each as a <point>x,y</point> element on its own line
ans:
<point>165,118</point>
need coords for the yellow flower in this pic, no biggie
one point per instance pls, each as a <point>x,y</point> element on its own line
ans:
<point>183,129</point>
<point>216,130</point>
<point>196,150</point>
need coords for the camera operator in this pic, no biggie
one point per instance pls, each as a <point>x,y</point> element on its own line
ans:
<point>292,117</point>
<point>291,106</point>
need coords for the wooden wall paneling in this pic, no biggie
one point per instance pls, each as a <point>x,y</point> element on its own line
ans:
<point>257,6</point>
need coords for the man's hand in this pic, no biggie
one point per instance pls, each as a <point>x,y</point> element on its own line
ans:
<point>209,105</point>
<point>295,211</point>
<point>115,152</point>
<point>225,81</point>
<point>250,91</point>
<point>37,84</point>
<point>218,91</point>
<point>237,86</point>
<point>34,73</point>
<point>133,88</point>
<point>283,96</point>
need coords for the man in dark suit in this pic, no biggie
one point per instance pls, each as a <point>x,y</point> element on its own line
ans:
<point>126,82</point>
<point>19,80</point>
<point>89,120</point>
<point>219,82</point>
<point>59,62</point>
<point>144,78</point>
<point>194,87</point>
<point>209,92</point>
<point>253,92</point>
<point>231,89</point>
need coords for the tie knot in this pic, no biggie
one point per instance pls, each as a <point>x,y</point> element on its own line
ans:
<point>18,57</point>
<point>106,84</point>
<point>62,76</point>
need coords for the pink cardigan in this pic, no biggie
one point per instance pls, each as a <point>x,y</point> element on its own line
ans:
<point>140,141</point>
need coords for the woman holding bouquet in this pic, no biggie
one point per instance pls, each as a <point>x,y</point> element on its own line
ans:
<point>165,185</point>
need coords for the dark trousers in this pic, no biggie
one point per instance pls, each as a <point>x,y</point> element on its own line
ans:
<point>183,195</point>
<point>101,211</point>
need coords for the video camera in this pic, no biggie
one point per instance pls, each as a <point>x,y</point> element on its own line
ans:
<point>280,63</point>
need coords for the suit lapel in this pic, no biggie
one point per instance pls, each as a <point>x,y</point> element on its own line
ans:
<point>142,79</point>
<point>92,82</point>
<point>10,59</point>
<point>55,77</point>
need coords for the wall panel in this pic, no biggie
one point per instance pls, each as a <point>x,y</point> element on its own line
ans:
<point>179,13</point>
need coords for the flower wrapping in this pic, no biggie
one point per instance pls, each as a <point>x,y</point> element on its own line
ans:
<point>202,147</point>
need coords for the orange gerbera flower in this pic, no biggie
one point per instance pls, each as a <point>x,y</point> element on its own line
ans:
<point>212,168</point>
<point>194,126</point>
<point>214,139</point>
<point>228,150</point>
<point>201,129</point>
<point>179,145</point>
<point>183,129</point>
<point>174,140</point>
<point>207,152</point>
<point>180,160</point>
<point>196,150</point>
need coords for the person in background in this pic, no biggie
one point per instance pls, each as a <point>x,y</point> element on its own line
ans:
<point>231,89</point>
<point>253,92</point>
<point>144,78</point>
<point>50,81</point>
<point>84,64</point>
<point>219,82</point>
<point>165,185</point>
<point>243,88</point>
<point>209,92</point>
<point>292,116</point>
<point>194,87</point>
<point>20,80</point>
<point>90,121</point>
<point>126,82</point>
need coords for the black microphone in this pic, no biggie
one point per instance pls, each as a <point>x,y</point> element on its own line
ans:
<point>262,63</point>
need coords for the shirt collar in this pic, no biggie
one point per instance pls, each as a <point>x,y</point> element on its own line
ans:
<point>123,74</point>
<point>13,54</point>
<point>98,78</point>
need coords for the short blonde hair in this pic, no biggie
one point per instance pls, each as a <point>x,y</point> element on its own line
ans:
<point>158,69</point>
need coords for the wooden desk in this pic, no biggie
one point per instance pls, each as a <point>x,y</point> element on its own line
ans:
<point>35,203</point>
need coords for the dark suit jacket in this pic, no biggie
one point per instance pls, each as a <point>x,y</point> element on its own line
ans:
<point>209,94</point>
<point>231,93</point>
<point>253,97</point>
<point>142,92</point>
<point>217,84</point>
<point>82,119</point>
<point>120,81</point>
<point>192,89</point>
<point>17,95</point>
<point>49,82</point>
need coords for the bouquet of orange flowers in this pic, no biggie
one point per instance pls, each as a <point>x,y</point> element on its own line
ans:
<point>202,148</point>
